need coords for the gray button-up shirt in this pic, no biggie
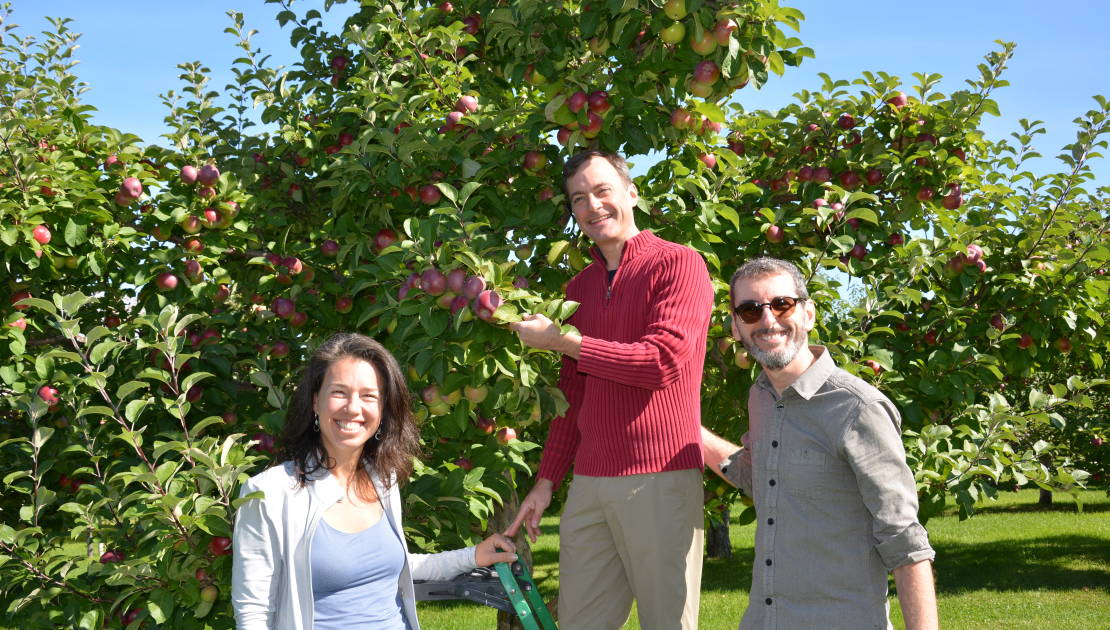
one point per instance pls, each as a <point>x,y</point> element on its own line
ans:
<point>836,502</point>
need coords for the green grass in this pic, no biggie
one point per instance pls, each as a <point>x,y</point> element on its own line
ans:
<point>1013,566</point>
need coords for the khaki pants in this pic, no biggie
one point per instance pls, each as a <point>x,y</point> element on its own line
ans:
<point>638,536</point>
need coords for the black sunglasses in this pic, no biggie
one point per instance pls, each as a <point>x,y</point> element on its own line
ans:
<point>751,311</point>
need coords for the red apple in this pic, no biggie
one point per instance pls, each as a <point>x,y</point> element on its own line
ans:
<point>466,104</point>
<point>874,177</point>
<point>822,174</point>
<point>298,319</point>
<point>974,252</point>
<point>846,121</point>
<point>506,435</point>
<point>188,175</point>
<point>898,100</point>
<point>384,238</point>
<point>708,159</point>
<point>208,174</point>
<point>849,180</point>
<point>593,125</point>
<point>998,322</point>
<point>433,281</point>
<point>598,101</point>
<point>707,72</point>
<point>338,63</point>
<point>953,199</point>
<point>576,101</point>
<point>111,556</point>
<point>293,264</point>
<point>775,234</point>
<point>165,281</point>
<point>1063,344</point>
<point>109,162</point>
<point>464,463</point>
<point>329,248</point>
<point>485,425</point>
<point>925,194</point>
<point>18,323</point>
<point>474,286</point>
<point>1025,341</point>
<point>534,161</point>
<point>41,233</point>
<point>429,194</point>
<point>343,304</point>
<point>722,32</point>
<point>681,119</point>
<point>874,365</point>
<point>132,187</point>
<point>471,24</point>
<point>219,546</point>
<point>283,307</point>
<point>48,394</point>
<point>485,304</point>
<point>895,239</point>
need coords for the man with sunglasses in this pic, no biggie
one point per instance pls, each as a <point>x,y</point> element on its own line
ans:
<point>823,461</point>
<point>632,524</point>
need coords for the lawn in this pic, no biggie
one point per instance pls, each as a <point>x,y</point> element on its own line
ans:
<point>1013,565</point>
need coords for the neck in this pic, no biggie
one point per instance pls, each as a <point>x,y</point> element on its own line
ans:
<point>344,470</point>
<point>613,249</point>
<point>781,379</point>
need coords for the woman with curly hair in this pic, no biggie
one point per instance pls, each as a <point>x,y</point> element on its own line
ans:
<point>324,547</point>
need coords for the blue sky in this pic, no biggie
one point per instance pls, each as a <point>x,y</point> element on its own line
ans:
<point>129,52</point>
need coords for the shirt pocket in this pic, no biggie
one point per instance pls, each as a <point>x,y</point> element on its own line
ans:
<point>811,473</point>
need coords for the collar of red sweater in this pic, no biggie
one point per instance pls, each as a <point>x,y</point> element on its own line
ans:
<point>642,242</point>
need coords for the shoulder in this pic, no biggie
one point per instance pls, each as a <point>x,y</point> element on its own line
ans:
<point>866,401</point>
<point>275,479</point>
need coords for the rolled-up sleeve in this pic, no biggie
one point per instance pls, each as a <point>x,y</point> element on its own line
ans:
<point>737,468</point>
<point>873,447</point>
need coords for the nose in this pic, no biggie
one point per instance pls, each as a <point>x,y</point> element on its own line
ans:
<point>767,317</point>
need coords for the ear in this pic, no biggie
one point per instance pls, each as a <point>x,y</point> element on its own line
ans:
<point>632,192</point>
<point>810,315</point>
<point>735,326</point>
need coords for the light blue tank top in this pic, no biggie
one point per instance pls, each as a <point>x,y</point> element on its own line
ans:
<point>354,578</point>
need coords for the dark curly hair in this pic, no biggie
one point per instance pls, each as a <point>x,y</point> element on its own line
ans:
<point>391,456</point>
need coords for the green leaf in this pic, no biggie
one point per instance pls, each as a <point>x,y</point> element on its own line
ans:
<point>40,436</point>
<point>129,388</point>
<point>39,303</point>
<point>135,408</point>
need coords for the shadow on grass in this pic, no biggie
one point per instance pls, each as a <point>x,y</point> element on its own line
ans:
<point>728,575</point>
<point>1021,565</point>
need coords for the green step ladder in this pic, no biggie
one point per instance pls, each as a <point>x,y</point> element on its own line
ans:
<point>509,588</point>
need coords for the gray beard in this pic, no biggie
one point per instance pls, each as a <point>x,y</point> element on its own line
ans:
<point>773,360</point>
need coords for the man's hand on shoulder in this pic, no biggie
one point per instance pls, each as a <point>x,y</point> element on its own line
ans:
<point>537,331</point>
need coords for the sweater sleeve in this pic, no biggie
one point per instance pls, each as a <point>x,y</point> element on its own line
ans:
<point>563,436</point>
<point>681,304</point>
<point>255,567</point>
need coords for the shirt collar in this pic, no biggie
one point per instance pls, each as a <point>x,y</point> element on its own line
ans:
<point>811,380</point>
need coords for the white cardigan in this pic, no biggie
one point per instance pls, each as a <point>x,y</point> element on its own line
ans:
<point>271,578</point>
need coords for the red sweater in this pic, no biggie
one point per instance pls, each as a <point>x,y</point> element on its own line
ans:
<point>635,390</point>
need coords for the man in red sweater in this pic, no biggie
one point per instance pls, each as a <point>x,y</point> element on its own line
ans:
<point>632,524</point>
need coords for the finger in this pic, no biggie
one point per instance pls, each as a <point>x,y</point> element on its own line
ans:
<point>511,531</point>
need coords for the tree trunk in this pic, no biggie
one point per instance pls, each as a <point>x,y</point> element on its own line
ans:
<point>499,522</point>
<point>717,543</point>
<point>1045,499</point>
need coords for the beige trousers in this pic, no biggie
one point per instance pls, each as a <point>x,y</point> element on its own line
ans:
<point>638,536</point>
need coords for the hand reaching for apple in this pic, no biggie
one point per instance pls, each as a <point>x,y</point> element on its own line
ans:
<point>531,510</point>
<point>537,331</point>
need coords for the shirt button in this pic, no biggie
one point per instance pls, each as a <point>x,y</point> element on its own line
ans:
<point>772,482</point>
<point>770,521</point>
<point>768,562</point>
<point>774,443</point>
<point>768,600</point>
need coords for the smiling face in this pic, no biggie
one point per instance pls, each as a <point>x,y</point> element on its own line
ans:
<point>603,203</point>
<point>774,341</point>
<point>349,406</point>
